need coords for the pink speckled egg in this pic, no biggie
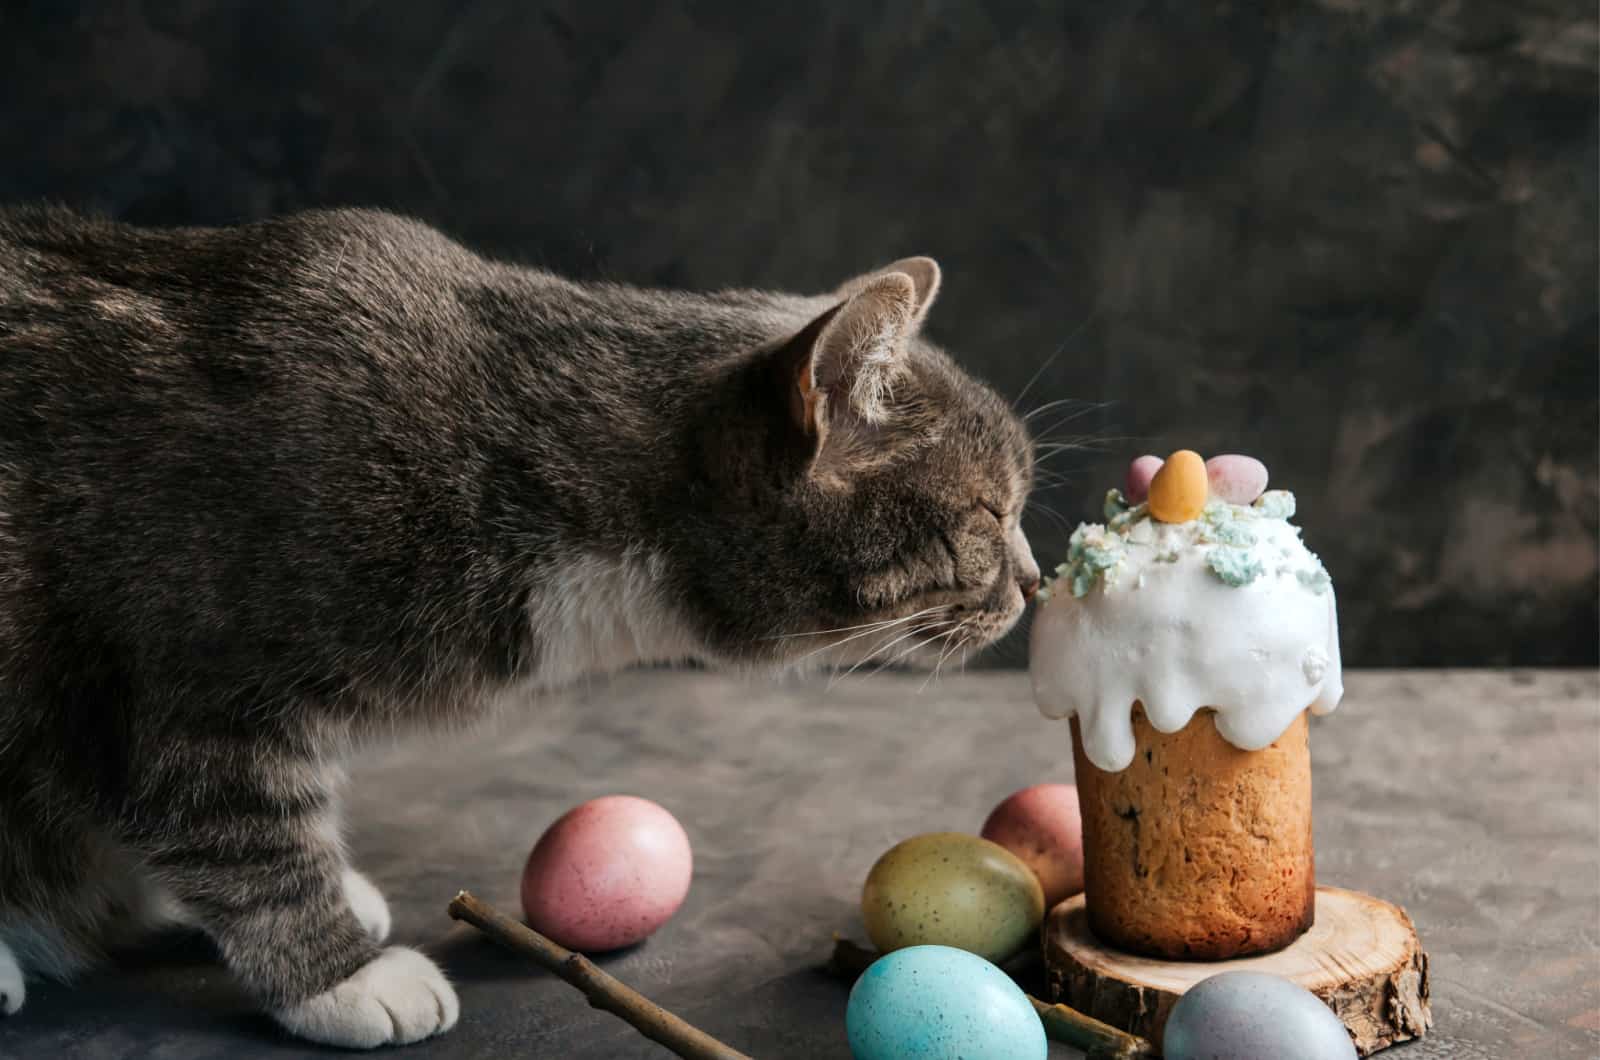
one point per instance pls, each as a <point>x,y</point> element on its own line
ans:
<point>1236,479</point>
<point>1136,487</point>
<point>607,874</point>
<point>1041,825</point>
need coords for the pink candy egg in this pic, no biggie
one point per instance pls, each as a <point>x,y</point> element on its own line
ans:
<point>1236,479</point>
<point>607,874</point>
<point>1136,488</point>
<point>1041,826</point>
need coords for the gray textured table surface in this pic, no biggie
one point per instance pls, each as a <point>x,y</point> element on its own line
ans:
<point>1473,799</point>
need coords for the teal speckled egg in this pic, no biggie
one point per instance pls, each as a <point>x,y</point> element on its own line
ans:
<point>940,1003</point>
<point>1252,1015</point>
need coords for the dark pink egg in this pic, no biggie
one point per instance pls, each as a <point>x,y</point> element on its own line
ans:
<point>607,874</point>
<point>1136,487</point>
<point>1042,826</point>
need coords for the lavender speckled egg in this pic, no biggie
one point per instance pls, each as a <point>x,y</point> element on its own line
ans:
<point>940,1003</point>
<point>607,874</point>
<point>1236,479</point>
<point>1253,1016</point>
<point>1042,826</point>
<point>1136,486</point>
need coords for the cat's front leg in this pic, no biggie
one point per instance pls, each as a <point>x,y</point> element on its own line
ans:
<point>257,863</point>
<point>368,904</point>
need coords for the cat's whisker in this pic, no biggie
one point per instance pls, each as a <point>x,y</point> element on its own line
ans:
<point>1096,439</point>
<point>1049,487</point>
<point>1043,484</point>
<point>1055,518</point>
<point>1059,350</point>
<point>878,651</point>
<point>836,676</point>
<point>1038,372</point>
<point>1070,416</point>
<point>1045,452</point>
<point>1081,443</point>
<point>1049,406</point>
<point>845,629</point>
<point>1083,409</point>
<point>904,652</point>
<point>943,654</point>
<point>875,627</point>
<point>1040,460</point>
<point>1052,487</point>
<point>1035,505</point>
<point>964,646</point>
<point>1044,509</point>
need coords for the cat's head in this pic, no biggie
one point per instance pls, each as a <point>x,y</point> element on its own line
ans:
<point>855,495</point>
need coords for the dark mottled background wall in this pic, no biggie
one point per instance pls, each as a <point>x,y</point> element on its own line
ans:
<point>1354,237</point>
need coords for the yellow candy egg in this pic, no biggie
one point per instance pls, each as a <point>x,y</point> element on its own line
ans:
<point>1178,492</point>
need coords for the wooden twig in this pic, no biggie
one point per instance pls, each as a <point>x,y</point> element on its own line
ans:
<point>604,991</point>
<point>1100,1041</point>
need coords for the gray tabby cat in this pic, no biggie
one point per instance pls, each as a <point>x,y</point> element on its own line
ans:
<point>267,490</point>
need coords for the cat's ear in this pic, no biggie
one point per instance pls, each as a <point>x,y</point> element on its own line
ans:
<point>925,277</point>
<point>842,366</point>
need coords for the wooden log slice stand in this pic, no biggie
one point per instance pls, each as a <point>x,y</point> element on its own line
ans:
<point>1361,956</point>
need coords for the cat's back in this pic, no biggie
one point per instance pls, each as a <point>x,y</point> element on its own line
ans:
<point>55,262</point>
<point>297,356</point>
<point>321,397</point>
<point>167,393</point>
<point>95,312</point>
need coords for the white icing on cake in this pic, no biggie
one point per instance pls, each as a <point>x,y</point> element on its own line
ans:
<point>1144,611</point>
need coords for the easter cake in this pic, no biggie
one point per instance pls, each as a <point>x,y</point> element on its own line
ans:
<point>1187,637</point>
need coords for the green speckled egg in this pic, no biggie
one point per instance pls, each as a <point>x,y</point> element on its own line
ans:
<point>952,889</point>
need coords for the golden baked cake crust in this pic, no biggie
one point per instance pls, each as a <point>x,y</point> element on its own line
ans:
<point>1199,850</point>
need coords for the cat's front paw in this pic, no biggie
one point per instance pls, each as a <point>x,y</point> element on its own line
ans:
<point>367,904</point>
<point>399,996</point>
<point>12,990</point>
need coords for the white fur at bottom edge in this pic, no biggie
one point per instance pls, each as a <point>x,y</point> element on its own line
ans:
<point>400,996</point>
<point>12,991</point>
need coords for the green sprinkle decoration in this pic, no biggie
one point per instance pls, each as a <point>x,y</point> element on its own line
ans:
<point>1092,553</point>
<point>1120,522</point>
<point>1235,566</point>
<point>1225,524</point>
<point>1276,504</point>
<point>1315,578</point>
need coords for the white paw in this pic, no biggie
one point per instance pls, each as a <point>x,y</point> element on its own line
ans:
<point>368,904</point>
<point>399,996</point>
<point>12,992</point>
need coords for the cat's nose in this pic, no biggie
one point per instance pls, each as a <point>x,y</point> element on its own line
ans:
<point>1023,565</point>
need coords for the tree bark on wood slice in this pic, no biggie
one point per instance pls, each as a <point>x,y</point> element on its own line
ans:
<point>1361,956</point>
